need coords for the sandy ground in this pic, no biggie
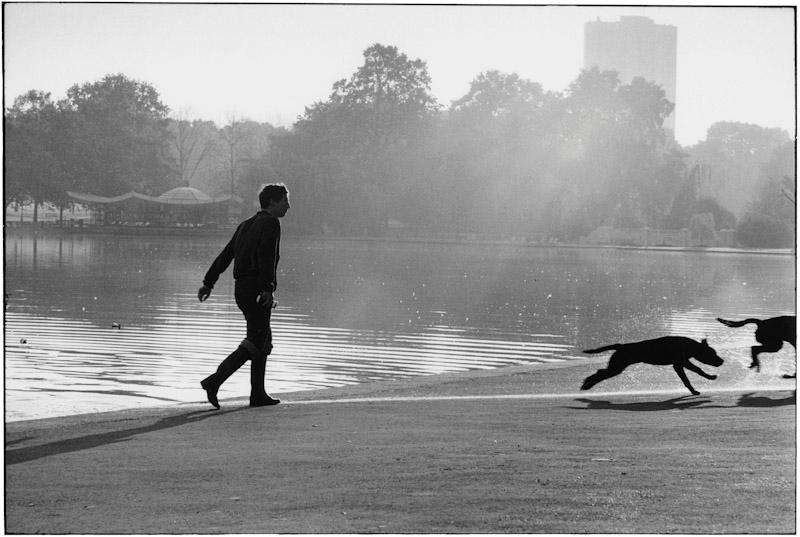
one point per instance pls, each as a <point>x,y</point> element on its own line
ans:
<point>510,450</point>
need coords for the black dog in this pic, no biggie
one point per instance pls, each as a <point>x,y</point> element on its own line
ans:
<point>771,333</point>
<point>669,350</point>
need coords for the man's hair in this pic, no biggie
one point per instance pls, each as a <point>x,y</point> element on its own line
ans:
<point>274,192</point>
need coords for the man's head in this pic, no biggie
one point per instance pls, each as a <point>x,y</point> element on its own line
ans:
<point>275,199</point>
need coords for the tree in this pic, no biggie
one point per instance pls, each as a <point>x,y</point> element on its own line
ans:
<point>734,153</point>
<point>193,143</point>
<point>243,145</point>
<point>120,136</point>
<point>774,193</point>
<point>255,146</point>
<point>359,143</point>
<point>32,169</point>
<point>720,216</point>
<point>231,138</point>
<point>495,94</point>
<point>497,138</point>
<point>658,191</point>
<point>759,231</point>
<point>645,107</point>
<point>701,227</point>
<point>386,99</point>
<point>620,159</point>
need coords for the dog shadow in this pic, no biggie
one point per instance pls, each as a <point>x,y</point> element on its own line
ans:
<point>752,400</point>
<point>683,402</point>
<point>686,402</point>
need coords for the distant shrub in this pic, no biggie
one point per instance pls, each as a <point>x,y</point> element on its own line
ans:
<point>759,231</point>
<point>723,218</point>
<point>701,227</point>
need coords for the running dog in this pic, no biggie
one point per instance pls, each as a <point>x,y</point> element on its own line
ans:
<point>771,333</point>
<point>669,350</point>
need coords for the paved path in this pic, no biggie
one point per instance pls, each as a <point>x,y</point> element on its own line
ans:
<point>511,450</point>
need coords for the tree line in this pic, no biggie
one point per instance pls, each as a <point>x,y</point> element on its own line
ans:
<point>381,155</point>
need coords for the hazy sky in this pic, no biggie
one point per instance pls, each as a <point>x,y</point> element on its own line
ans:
<point>268,62</point>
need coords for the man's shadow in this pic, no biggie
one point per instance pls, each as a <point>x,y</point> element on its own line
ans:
<point>677,403</point>
<point>25,454</point>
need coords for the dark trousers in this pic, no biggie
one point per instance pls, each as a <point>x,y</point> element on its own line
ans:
<point>257,317</point>
<point>255,347</point>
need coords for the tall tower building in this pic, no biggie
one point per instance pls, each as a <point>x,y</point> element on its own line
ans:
<point>635,46</point>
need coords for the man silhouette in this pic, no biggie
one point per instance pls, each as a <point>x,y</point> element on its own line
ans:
<point>255,251</point>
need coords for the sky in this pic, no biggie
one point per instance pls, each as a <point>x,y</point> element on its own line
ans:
<point>267,62</point>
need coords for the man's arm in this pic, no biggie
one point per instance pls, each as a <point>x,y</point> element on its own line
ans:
<point>267,254</point>
<point>219,265</point>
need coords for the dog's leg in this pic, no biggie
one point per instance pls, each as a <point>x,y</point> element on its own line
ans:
<point>754,363</point>
<point>692,367</point>
<point>787,376</point>
<point>769,346</point>
<point>682,374</point>
<point>591,380</point>
<point>616,365</point>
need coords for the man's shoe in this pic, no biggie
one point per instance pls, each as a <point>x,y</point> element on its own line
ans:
<point>263,401</point>
<point>211,392</point>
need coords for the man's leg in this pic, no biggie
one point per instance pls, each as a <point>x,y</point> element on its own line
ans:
<point>228,367</point>
<point>259,339</point>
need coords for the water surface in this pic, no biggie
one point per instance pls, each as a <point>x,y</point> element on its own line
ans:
<point>351,312</point>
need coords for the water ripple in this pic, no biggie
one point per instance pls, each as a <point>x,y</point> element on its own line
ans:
<point>47,355</point>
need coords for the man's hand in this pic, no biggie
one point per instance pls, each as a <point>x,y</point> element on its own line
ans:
<point>264,299</point>
<point>203,293</point>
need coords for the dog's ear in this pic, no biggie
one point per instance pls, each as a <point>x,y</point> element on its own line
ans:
<point>705,342</point>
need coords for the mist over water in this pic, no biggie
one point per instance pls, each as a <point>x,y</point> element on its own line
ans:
<point>359,311</point>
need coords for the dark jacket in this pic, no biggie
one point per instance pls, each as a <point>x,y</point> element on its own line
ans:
<point>254,250</point>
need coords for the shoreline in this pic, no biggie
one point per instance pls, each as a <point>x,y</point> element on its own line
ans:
<point>27,229</point>
<point>419,383</point>
<point>301,395</point>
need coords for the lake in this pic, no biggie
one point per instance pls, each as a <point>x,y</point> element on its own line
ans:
<point>353,311</point>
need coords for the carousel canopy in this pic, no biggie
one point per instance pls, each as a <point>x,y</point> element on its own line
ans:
<point>183,195</point>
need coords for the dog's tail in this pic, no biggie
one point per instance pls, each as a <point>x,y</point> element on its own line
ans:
<point>737,324</point>
<point>604,349</point>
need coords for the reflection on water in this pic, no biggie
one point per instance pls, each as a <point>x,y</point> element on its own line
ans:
<point>351,312</point>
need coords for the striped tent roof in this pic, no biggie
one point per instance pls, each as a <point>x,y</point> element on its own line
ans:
<point>177,196</point>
